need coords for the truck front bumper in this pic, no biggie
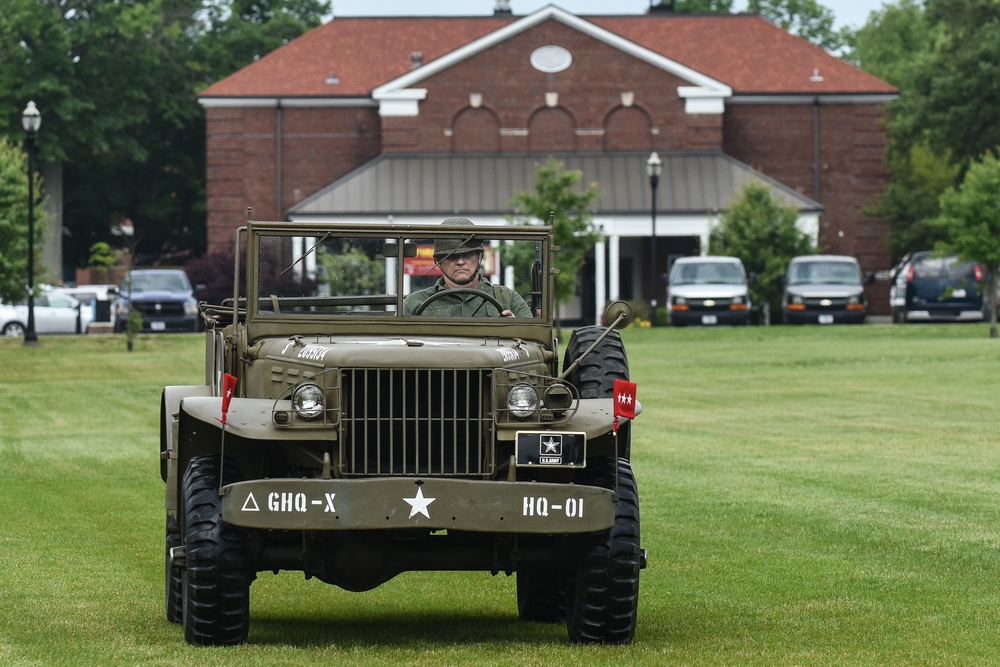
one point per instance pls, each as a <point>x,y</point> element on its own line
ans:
<point>427,503</point>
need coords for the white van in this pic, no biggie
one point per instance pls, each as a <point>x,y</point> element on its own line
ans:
<point>708,291</point>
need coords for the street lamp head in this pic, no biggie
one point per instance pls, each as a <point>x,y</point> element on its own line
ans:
<point>31,119</point>
<point>654,165</point>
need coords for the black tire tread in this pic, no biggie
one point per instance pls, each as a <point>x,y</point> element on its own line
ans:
<point>217,578</point>
<point>604,597</point>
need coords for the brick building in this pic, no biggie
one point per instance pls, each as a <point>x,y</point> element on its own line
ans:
<point>420,118</point>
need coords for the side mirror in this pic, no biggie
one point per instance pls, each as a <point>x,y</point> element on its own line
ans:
<point>751,277</point>
<point>618,314</point>
<point>869,278</point>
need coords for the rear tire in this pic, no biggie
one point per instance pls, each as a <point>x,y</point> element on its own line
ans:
<point>541,595</point>
<point>217,577</point>
<point>174,579</point>
<point>603,598</point>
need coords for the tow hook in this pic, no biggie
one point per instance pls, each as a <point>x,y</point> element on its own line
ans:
<point>178,557</point>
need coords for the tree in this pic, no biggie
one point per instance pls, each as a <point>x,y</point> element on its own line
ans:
<point>117,85</point>
<point>970,217</point>
<point>693,6</point>
<point>556,192</point>
<point>952,100</point>
<point>14,222</point>
<point>911,202</point>
<point>764,235</point>
<point>894,43</point>
<point>806,18</point>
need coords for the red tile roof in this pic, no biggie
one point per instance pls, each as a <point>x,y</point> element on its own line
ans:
<point>747,53</point>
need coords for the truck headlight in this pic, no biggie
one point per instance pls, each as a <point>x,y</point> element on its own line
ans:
<point>522,400</point>
<point>308,401</point>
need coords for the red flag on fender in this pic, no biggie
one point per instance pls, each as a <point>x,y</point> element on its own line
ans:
<point>228,387</point>
<point>624,400</point>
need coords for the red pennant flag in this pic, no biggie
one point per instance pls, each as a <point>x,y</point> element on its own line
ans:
<point>624,399</point>
<point>228,387</point>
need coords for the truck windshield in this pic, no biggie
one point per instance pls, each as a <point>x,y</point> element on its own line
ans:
<point>338,273</point>
<point>824,273</point>
<point>708,273</point>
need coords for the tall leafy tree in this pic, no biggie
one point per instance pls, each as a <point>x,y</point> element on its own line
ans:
<point>970,218</point>
<point>556,192</point>
<point>765,236</point>
<point>693,6</point>
<point>14,222</point>
<point>117,84</point>
<point>951,102</point>
<point>808,19</point>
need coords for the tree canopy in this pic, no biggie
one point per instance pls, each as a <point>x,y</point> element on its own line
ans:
<point>765,236</point>
<point>556,193</point>
<point>117,84</point>
<point>970,218</point>
<point>14,222</point>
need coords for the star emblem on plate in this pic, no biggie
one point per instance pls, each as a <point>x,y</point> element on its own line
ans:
<point>418,504</point>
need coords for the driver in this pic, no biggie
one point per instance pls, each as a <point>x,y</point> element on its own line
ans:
<point>460,261</point>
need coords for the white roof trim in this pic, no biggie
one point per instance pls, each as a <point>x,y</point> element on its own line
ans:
<point>822,98</point>
<point>551,12</point>
<point>271,102</point>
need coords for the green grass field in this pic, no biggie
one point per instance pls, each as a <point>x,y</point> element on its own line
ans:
<point>810,496</point>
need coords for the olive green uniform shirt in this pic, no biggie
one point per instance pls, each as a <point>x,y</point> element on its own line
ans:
<point>466,305</point>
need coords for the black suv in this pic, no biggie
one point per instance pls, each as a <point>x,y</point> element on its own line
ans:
<point>928,287</point>
<point>163,298</point>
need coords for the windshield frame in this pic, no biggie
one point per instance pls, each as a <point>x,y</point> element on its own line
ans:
<point>258,316</point>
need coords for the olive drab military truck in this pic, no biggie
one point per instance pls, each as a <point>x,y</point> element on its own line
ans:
<point>338,435</point>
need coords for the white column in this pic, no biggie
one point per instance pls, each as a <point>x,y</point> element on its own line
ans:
<point>600,279</point>
<point>614,281</point>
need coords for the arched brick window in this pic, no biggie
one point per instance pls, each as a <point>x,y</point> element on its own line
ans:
<point>627,129</point>
<point>476,131</point>
<point>551,130</point>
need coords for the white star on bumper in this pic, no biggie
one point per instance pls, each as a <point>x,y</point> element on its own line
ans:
<point>418,504</point>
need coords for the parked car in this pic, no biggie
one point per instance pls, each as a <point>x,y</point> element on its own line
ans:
<point>163,298</point>
<point>708,291</point>
<point>95,301</point>
<point>54,314</point>
<point>825,289</point>
<point>928,286</point>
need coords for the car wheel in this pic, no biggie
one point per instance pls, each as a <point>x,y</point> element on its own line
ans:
<point>13,330</point>
<point>603,597</point>
<point>216,579</point>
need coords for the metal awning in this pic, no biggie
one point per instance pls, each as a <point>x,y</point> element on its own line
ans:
<point>477,184</point>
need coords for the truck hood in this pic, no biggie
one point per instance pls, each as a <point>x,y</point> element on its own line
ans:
<point>831,291</point>
<point>708,291</point>
<point>157,295</point>
<point>413,352</point>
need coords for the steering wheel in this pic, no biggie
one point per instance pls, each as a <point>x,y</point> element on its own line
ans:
<point>485,296</point>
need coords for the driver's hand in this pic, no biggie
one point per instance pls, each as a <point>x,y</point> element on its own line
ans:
<point>506,313</point>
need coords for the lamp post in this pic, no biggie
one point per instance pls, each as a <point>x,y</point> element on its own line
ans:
<point>31,119</point>
<point>654,167</point>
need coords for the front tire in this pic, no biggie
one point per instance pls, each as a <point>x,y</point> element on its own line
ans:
<point>217,577</point>
<point>595,376</point>
<point>603,598</point>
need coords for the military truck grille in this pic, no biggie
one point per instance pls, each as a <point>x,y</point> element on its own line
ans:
<point>159,308</point>
<point>417,422</point>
